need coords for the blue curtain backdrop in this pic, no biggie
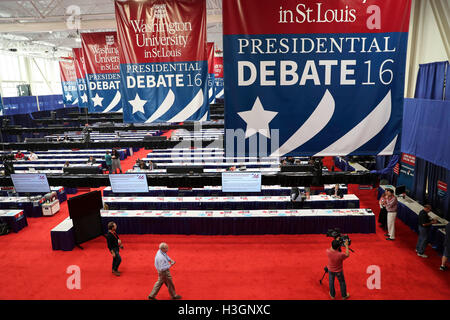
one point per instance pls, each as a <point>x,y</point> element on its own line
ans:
<point>427,134</point>
<point>430,80</point>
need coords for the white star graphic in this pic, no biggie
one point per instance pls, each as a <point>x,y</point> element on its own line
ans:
<point>257,119</point>
<point>68,96</point>
<point>84,97</point>
<point>138,104</point>
<point>97,100</point>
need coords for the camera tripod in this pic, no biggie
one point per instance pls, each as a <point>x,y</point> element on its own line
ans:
<point>326,271</point>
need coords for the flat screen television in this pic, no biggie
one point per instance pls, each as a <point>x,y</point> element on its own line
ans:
<point>241,181</point>
<point>128,183</point>
<point>30,182</point>
<point>84,210</point>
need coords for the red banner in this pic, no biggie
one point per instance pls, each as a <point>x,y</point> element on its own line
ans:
<point>68,82</point>
<point>101,52</point>
<point>80,70</point>
<point>161,31</point>
<point>163,60</point>
<point>314,17</point>
<point>80,67</point>
<point>67,69</point>
<point>218,67</point>
<point>102,62</point>
<point>210,50</point>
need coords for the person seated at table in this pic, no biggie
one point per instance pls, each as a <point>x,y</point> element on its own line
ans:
<point>91,160</point>
<point>19,155</point>
<point>337,192</point>
<point>32,156</point>
<point>142,165</point>
<point>151,165</point>
<point>308,192</point>
<point>231,169</point>
<point>66,164</point>
<point>297,195</point>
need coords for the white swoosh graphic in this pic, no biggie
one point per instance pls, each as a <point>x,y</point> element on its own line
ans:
<point>390,148</point>
<point>190,109</point>
<point>204,117</point>
<point>76,101</point>
<point>363,131</point>
<point>219,94</point>
<point>165,105</point>
<point>210,93</point>
<point>315,123</point>
<point>114,102</point>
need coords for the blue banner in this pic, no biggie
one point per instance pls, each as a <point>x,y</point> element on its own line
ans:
<point>314,79</point>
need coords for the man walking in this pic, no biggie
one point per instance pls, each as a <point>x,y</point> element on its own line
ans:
<point>114,243</point>
<point>162,265</point>
<point>425,223</point>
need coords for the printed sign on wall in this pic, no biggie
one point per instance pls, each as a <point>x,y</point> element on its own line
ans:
<point>68,82</point>
<point>163,60</point>
<point>102,62</point>
<point>315,78</point>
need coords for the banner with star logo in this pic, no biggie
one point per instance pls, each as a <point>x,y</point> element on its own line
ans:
<point>102,62</point>
<point>163,60</point>
<point>80,71</point>
<point>211,89</point>
<point>218,78</point>
<point>68,82</point>
<point>314,78</point>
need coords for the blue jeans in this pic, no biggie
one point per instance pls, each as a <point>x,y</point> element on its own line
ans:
<point>340,276</point>
<point>423,240</point>
<point>116,260</point>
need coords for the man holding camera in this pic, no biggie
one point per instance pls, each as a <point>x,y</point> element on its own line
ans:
<point>335,267</point>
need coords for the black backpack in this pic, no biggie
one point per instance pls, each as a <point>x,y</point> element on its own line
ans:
<point>4,228</point>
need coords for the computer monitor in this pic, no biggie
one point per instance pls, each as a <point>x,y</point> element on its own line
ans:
<point>30,182</point>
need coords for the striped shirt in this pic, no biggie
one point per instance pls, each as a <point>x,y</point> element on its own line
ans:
<point>162,261</point>
<point>391,204</point>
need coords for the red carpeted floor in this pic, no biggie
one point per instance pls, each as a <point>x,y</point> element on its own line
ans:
<point>218,267</point>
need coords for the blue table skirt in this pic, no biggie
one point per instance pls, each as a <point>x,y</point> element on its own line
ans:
<point>29,209</point>
<point>63,240</point>
<point>241,225</point>
<point>255,205</point>
<point>62,196</point>
<point>15,223</point>
<point>411,219</point>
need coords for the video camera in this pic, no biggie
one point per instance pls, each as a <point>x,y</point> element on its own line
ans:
<point>336,234</point>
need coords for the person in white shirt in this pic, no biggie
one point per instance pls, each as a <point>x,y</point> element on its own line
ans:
<point>32,156</point>
<point>162,264</point>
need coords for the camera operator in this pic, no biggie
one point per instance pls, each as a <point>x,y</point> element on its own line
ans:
<point>335,267</point>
